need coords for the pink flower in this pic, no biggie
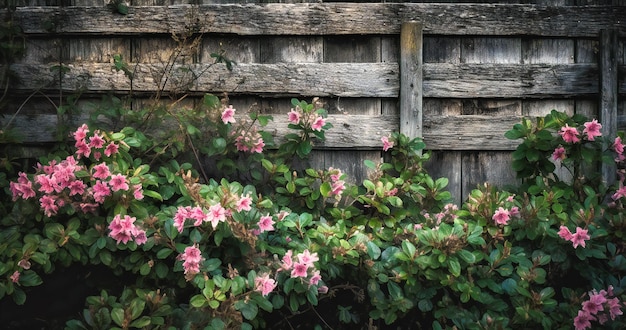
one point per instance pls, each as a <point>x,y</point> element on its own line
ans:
<point>514,212</point>
<point>618,146</point>
<point>387,144</point>
<point>322,289</point>
<point>335,174</point>
<point>615,308</point>
<point>22,188</point>
<point>47,183</point>
<point>621,192</point>
<point>258,146</point>
<point>294,116</point>
<point>111,149</point>
<point>580,237</point>
<point>306,258</point>
<point>264,284</point>
<point>77,187</point>
<point>564,233</point>
<point>266,223</point>
<point>501,216</point>
<point>569,134</point>
<point>81,133</point>
<point>244,203</point>
<point>101,171</point>
<point>48,205</point>
<point>138,192</point>
<point>299,270</point>
<point>118,182</point>
<point>192,257</point>
<point>15,277</point>
<point>228,115</point>
<point>594,304</point>
<point>315,278</point>
<point>559,154</point>
<point>96,141</point>
<point>124,229</point>
<point>216,214</point>
<point>318,123</point>
<point>182,213</point>
<point>592,129</point>
<point>287,261</point>
<point>583,320</point>
<point>337,188</point>
<point>100,191</point>
<point>82,149</point>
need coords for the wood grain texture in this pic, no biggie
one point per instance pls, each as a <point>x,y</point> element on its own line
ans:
<point>441,80</point>
<point>328,19</point>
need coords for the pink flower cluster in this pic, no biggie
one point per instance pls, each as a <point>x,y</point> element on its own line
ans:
<point>214,215</point>
<point>124,230</point>
<point>503,214</point>
<point>94,145</point>
<point>311,120</point>
<point>191,257</point>
<point>58,185</point>
<point>266,222</point>
<point>447,215</point>
<point>249,141</point>
<point>578,238</point>
<point>600,306</point>
<point>302,266</point>
<point>571,135</point>
<point>337,184</point>
<point>264,284</point>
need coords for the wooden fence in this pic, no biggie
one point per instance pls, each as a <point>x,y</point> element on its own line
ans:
<point>460,75</point>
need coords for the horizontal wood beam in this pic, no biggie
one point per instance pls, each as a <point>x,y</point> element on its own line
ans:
<point>358,132</point>
<point>347,132</point>
<point>441,80</point>
<point>326,19</point>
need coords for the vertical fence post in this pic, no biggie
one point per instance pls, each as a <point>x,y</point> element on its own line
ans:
<point>608,93</point>
<point>411,79</point>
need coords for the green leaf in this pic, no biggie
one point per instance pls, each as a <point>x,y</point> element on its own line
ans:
<point>369,164</point>
<point>141,322</point>
<point>122,8</point>
<point>509,285</point>
<point>325,189</point>
<point>454,266</point>
<point>198,301</point>
<point>467,256</point>
<point>164,253</point>
<point>373,250</point>
<point>117,315</point>
<point>408,248</point>
<point>136,307</point>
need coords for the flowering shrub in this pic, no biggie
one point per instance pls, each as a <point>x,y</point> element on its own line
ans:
<point>249,237</point>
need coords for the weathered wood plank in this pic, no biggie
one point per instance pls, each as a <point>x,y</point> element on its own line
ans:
<point>328,18</point>
<point>608,94</point>
<point>441,132</point>
<point>493,167</point>
<point>313,79</point>
<point>469,132</point>
<point>411,91</point>
<point>441,80</point>
<point>509,80</point>
<point>348,131</point>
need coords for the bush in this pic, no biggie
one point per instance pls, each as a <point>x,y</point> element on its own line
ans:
<point>211,225</point>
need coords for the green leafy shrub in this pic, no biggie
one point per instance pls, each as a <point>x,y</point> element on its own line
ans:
<point>215,226</point>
